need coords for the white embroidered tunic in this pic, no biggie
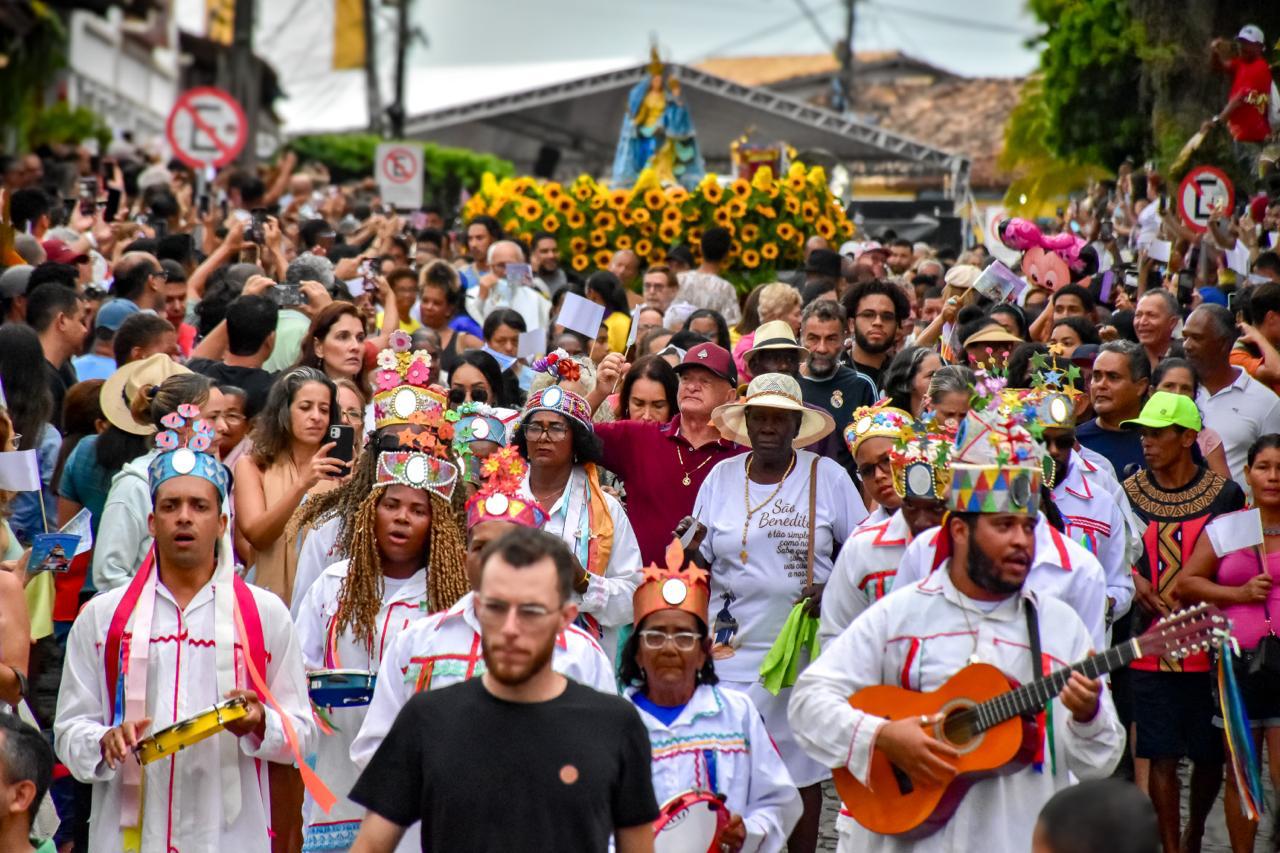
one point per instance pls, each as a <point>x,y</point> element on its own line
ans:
<point>863,574</point>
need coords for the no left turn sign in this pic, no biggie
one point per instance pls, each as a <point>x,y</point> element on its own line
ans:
<point>1204,189</point>
<point>206,127</point>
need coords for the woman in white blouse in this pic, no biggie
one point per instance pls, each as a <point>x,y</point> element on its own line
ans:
<point>756,508</point>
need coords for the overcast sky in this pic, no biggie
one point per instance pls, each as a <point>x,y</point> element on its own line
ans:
<point>975,37</point>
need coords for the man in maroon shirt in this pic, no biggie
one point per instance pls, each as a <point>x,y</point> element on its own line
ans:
<point>663,465</point>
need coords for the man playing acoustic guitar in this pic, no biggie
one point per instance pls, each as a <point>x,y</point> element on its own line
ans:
<point>972,610</point>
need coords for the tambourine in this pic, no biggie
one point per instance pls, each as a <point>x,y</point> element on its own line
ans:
<point>341,688</point>
<point>194,729</point>
<point>690,823</point>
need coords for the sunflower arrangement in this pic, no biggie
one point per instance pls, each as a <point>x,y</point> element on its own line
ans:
<point>768,217</point>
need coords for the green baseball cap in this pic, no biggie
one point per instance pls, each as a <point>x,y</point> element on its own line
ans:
<point>1166,409</point>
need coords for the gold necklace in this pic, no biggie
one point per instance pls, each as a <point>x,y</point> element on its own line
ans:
<point>686,481</point>
<point>746,499</point>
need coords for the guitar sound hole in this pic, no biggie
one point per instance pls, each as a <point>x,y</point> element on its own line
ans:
<point>960,726</point>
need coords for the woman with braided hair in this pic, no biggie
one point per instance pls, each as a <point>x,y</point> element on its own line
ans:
<point>405,560</point>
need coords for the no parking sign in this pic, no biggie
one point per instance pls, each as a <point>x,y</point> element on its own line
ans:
<point>399,171</point>
<point>1203,190</point>
<point>206,128</point>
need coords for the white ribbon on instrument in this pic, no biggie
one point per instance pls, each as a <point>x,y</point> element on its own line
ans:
<point>135,696</point>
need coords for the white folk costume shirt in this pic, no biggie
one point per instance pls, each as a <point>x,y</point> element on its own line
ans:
<point>719,743</point>
<point>750,602</point>
<point>1093,519</point>
<point>444,649</point>
<point>318,549</point>
<point>1099,473</point>
<point>1060,568</point>
<point>182,799</point>
<point>404,603</point>
<point>917,638</point>
<point>609,594</point>
<point>863,574</point>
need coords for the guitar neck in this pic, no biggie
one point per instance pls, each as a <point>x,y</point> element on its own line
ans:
<point>1031,697</point>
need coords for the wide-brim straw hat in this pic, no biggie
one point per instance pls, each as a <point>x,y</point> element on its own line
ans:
<point>772,391</point>
<point>127,382</point>
<point>775,334</point>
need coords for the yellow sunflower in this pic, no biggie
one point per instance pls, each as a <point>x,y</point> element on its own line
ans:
<point>625,217</point>
<point>809,211</point>
<point>741,188</point>
<point>602,258</point>
<point>722,216</point>
<point>713,193</point>
<point>617,198</point>
<point>846,228</point>
<point>582,192</point>
<point>786,231</point>
<point>750,233</point>
<point>751,259</point>
<point>640,215</point>
<point>825,228</point>
<point>578,245</point>
<point>622,241</point>
<point>599,239</point>
<point>604,219</point>
<point>577,218</point>
<point>735,248</point>
<point>792,204</point>
<point>511,225</point>
<point>767,211</point>
<point>598,201</point>
<point>677,195</point>
<point>669,232</point>
<point>693,214</point>
<point>551,223</point>
<point>648,229</point>
<point>564,204</point>
<point>643,248</point>
<point>769,251</point>
<point>737,208</point>
<point>552,190</point>
<point>654,199</point>
<point>795,183</point>
<point>694,236</point>
<point>671,214</point>
<point>532,210</point>
<point>525,236</point>
<point>580,262</point>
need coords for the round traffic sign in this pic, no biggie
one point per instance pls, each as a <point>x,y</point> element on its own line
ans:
<point>206,127</point>
<point>1204,190</point>
<point>399,165</point>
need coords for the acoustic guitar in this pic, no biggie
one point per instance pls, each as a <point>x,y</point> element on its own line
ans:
<point>990,720</point>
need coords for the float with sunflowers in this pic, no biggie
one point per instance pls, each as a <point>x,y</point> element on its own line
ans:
<point>769,217</point>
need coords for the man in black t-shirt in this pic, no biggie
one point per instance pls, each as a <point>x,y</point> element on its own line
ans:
<point>521,758</point>
<point>251,334</point>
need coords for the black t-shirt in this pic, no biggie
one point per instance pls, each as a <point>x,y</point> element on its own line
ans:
<point>60,379</point>
<point>255,381</point>
<point>1121,447</point>
<point>840,394</point>
<point>485,774</point>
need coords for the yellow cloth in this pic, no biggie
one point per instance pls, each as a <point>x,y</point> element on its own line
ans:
<point>408,325</point>
<point>619,325</point>
<point>39,593</point>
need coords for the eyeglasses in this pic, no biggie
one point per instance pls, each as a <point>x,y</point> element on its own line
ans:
<point>493,612</point>
<point>1065,441</point>
<point>885,317</point>
<point>684,641</point>
<point>537,432</point>
<point>868,469</point>
<point>353,415</point>
<point>458,396</point>
<point>161,274</point>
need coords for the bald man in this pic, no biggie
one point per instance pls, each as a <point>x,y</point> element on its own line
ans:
<point>495,291</point>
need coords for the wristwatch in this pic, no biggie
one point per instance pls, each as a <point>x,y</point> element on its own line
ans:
<point>24,689</point>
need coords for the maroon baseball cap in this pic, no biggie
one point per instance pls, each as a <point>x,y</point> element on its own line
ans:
<point>714,358</point>
<point>58,252</point>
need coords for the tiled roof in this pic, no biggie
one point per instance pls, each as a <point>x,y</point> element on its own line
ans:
<point>768,70</point>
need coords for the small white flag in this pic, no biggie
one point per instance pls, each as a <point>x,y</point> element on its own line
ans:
<point>19,471</point>
<point>581,315</point>
<point>1235,531</point>
<point>533,344</point>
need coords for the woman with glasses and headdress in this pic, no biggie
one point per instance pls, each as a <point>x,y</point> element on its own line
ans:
<point>556,435</point>
<point>704,736</point>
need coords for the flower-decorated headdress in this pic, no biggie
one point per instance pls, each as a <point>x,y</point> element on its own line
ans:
<point>673,588</point>
<point>997,464</point>
<point>1050,402</point>
<point>184,446</point>
<point>500,497</point>
<point>921,461</point>
<point>403,392</point>
<point>472,422</point>
<point>878,421</point>
<point>553,398</point>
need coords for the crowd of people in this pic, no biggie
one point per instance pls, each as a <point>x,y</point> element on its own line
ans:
<point>362,574</point>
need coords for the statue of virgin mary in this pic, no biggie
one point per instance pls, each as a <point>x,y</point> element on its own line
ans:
<point>657,133</point>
